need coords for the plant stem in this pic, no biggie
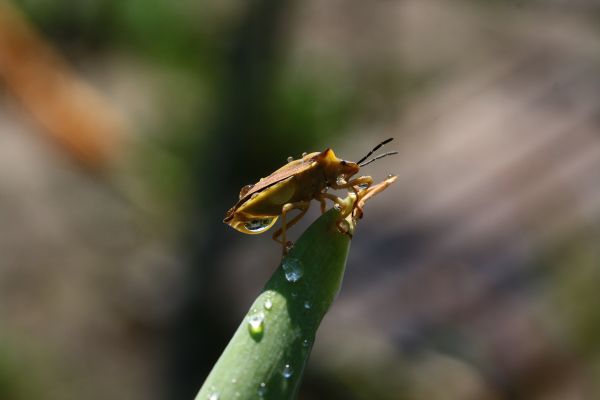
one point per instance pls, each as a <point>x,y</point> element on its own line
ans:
<point>268,352</point>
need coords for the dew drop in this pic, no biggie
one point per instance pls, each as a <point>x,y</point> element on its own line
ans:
<point>390,176</point>
<point>245,190</point>
<point>292,269</point>
<point>305,343</point>
<point>258,225</point>
<point>307,305</point>
<point>289,246</point>
<point>340,180</point>
<point>344,226</point>
<point>287,372</point>
<point>262,389</point>
<point>213,396</point>
<point>290,159</point>
<point>268,304</point>
<point>256,324</point>
<point>254,195</point>
<point>304,154</point>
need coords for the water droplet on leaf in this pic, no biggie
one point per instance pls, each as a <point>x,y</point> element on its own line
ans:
<point>289,246</point>
<point>344,226</point>
<point>290,159</point>
<point>256,324</point>
<point>262,389</point>
<point>304,154</point>
<point>268,304</point>
<point>292,269</point>
<point>287,372</point>
<point>307,305</point>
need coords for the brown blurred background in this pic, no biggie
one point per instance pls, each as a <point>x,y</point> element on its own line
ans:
<point>127,128</point>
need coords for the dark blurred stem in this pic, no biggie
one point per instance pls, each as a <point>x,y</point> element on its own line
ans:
<point>239,127</point>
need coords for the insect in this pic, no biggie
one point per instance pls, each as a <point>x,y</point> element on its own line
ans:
<point>294,185</point>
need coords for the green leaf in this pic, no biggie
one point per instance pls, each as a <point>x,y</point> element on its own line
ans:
<point>268,353</point>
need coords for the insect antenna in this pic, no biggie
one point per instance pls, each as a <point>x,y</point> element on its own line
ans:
<point>389,153</point>
<point>380,145</point>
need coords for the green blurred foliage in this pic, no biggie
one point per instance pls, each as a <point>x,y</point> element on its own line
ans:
<point>195,45</point>
<point>19,375</point>
<point>232,105</point>
<point>573,281</point>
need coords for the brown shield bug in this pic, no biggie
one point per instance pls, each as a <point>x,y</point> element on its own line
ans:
<point>294,185</point>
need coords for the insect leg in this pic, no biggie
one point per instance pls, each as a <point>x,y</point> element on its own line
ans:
<point>366,194</point>
<point>344,210</point>
<point>303,207</point>
<point>322,196</point>
<point>323,204</point>
<point>353,184</point>
<point>363,180</point>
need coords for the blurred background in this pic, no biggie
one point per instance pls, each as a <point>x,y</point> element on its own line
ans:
<point>127,128</point>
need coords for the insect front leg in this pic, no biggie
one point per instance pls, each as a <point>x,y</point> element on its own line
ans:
<point>303,207</point>
<point>354,185</point>
<point>360,181</point>
<point>366,194</point>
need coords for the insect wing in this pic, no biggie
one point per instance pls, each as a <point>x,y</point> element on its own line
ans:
<point>282,173</point>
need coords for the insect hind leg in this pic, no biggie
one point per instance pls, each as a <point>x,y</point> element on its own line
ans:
<point>303,207</point>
